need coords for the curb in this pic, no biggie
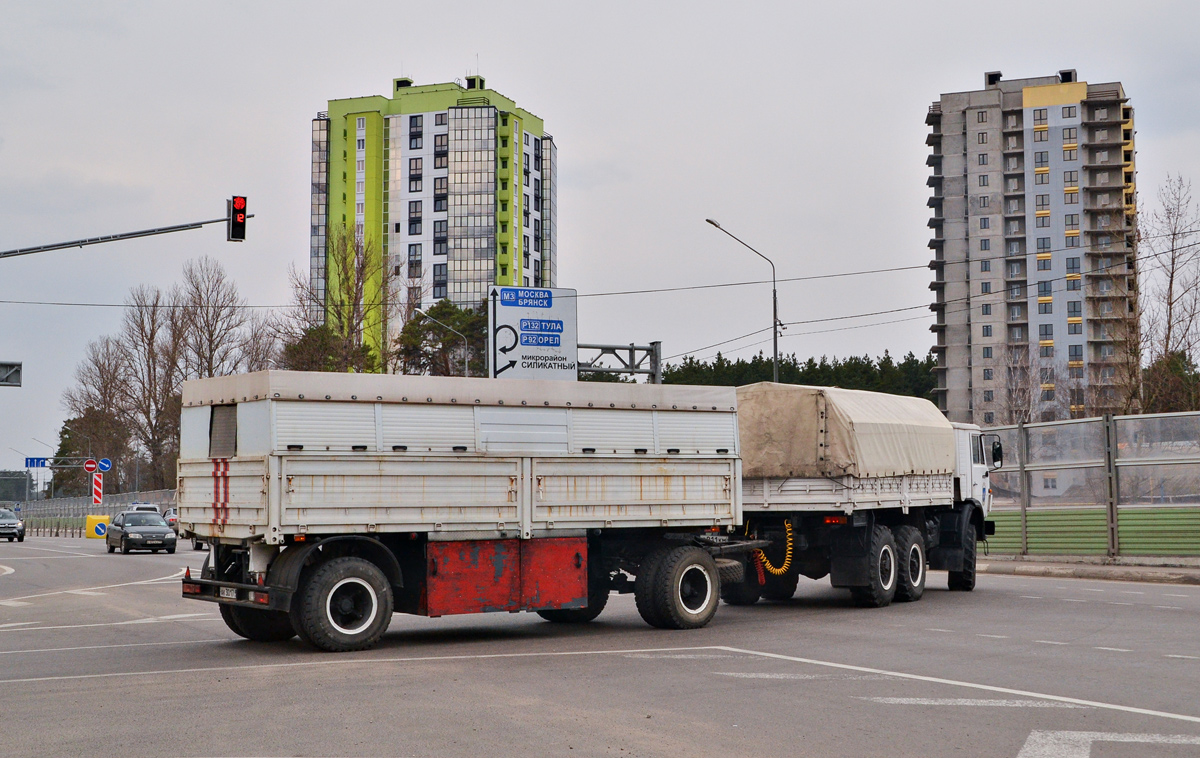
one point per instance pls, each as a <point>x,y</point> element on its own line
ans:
<point>1108,573</point>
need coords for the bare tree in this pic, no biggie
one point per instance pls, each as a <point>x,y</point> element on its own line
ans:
<point>259,346</point>
<point>215,316</point>
<point>1174,262</point>
<point>1018,403</point>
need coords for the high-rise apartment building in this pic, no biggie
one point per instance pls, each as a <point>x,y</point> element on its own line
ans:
<point>1034,249</point>
<point>451,186</point>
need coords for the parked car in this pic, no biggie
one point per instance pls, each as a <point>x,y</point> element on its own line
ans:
<point>139,530</point>
<point>172,517</point>
<point>11,526</point>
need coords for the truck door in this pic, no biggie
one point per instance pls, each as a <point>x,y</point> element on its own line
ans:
<point>980,483</point>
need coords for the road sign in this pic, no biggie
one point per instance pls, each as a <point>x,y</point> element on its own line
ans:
<point>97,488</point>
<point>90,465</point>
<point>104,464</point>
<point>35,463</point>
<point>10,374</point>
<point>533,334</point>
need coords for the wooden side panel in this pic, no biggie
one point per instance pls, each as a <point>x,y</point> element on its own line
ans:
<point>472,576</point>
<point>554,573</point>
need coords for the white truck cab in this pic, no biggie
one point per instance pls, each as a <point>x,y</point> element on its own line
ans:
<point>976,454</point>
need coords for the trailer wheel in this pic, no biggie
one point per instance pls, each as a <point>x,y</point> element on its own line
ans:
<point>597,600</point>
<point>882,571</point>
<point>780,588</point>
<point>643,585</point>
<point>686,589</point>
<point>259,625</point>
<point>344,604</point>
<point>745,592</point>
<point>910,556</point>
<point>964,581</point>
<point>231,621</point>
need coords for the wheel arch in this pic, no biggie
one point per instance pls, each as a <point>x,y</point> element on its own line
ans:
<point>285,570</point>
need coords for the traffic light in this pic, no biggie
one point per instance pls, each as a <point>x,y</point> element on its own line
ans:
<point>236,227</point>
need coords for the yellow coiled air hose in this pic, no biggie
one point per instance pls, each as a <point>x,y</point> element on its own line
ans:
<point>761,557</point>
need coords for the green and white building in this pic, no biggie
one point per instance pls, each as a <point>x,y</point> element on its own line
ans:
<point>453,185</point>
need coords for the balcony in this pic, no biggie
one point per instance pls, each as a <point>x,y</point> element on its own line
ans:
<point>934,139</point>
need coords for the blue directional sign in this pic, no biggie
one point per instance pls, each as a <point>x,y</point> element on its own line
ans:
<point>533,333</point>
<point>104,464</point>
<point>524,297</point>
<point>100,528</point>
<point>35,463</point>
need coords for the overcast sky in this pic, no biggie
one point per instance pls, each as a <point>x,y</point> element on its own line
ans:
<point>799,126</point>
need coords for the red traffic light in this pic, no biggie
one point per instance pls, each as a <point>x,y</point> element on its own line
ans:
<point>236,224</point>
<point>239,203</point>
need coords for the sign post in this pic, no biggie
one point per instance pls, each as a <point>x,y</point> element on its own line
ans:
<point>532,333</point>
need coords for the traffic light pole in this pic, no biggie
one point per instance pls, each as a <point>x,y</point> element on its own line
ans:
<point>113,237</point>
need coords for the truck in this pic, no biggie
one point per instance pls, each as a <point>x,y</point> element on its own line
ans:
<point>329,502</point>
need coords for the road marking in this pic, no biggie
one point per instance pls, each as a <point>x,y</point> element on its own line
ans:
<point>14,603</point>
<point>1091,589</point>
<point>6,570</point>
<point>1032,597</point>
<point>85,592</point>
<point>684,656</point>
<point>109,647</point>
<point>945,631</point>
<point>1132,592</point>
<point>1113,649</point>
<point>1187,657</point>
<point>1165,594</point>
<point>18,623</point>
<point>52,550</point>
<point>176,575</point>
<point>1113,602</point>
<point>150,620</point>
<point>969,685</point>
<point>1051,642</point>
<point>1168,607</point>
<point>994,636</point>
<point>1079,744</point>
<point>969,702</point>
<point>1072,600</point>
<point>805,677</point>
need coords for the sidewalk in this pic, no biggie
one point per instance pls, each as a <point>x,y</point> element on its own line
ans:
<point>1074,567</point>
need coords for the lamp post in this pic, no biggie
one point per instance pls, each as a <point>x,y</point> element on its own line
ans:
<point>774,299</point>
<point>466,345</point>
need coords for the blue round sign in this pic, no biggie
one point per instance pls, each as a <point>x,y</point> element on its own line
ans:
<point>101,529</point>
<point>104,464</point>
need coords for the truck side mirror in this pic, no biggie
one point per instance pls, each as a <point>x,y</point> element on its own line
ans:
<point>997,454</point>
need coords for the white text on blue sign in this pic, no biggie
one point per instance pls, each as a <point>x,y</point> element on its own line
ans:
<point>542,326</point>
<point>541,340</point>
<point>526,298</point>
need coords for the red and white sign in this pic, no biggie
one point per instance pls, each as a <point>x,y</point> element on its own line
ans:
<point>97,487</point>
<point>90,466</point>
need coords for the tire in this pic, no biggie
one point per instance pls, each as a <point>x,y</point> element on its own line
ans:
<point>261,625</point>
<point>910,560</point>
<point>231,621</point>
<point>597,600</point>
<point>687,588</point>
<point>882,571</point>
<point>20,538</point>
<point>111,549</point>
<point>643,585</point>
<point>198,545</point>
<point>779,588</point>
<point>964,581</point>
<point>10,539</point>
<point>170,551</point>
<point>745,592</point>
<point>345,604</point>
<point>155,552</point>
<point>124,547</point>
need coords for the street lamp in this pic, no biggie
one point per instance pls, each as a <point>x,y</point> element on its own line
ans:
<point>774,298</point>
<point>466,345</point>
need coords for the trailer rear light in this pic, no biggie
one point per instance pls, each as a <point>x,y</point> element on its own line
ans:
<point>835,519</point>
<point>191,589</point>
<point>262,598</point>
<point>299,537</point>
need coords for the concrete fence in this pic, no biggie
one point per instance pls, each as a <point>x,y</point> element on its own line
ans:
<point>1111,486</point>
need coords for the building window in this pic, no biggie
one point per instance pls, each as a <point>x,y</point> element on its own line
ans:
<point>441,160</point>
<point>1014,248</point>
<point>414,252</point>
<point>1043,264</point>
<point>987,309</point>
<point>981,117</point>
<point>414,208</point>
<point>1107,351</point>
<point>1075,352</point>
<point>440,248</point>
<point>439,292</point>
<point>414,184</point>
<point>985,223</point>
<point>439,203</point>
<point>987,352</point>
<point>1071,178</point>
<point>985,245</point>
<point>1070,134</point>
<point>1014,270</point>
<point>1041,159</point>
<point>414,166</point>
<point>1041,178</point>
<point>1042,222</point>
<point>1071,198</point>
<point>1039,116</point>
<point>1101,177</point>
<point>1072,221</point>
<point>1046,351</point>
<point>985,288</point>
<point>1074,328</point>
<point>989,418</point>
<point>1045,331</point>
<point>983,180</point>
<point>415,122</point>
<point>440,143</point>
<point>1041,136</point>
<point>359,187</point>
<point>1068,111</point>
<point>360,165</point>
<point>439,272</point>
<point>1073,285</point>
<point>440,229</point>
<point>1100,114</point>
<point>1049,482</point>
<point>983,159</point>
<point>1043,244</point>
<point>361,144</point>
<point>1072,265</point>
<point>360,123</point>
<point>985,265</point>
<point>1042,202</point>
<point>1070,155</point>
<point>984,201</point>
<point>981,138</point>
<point>360,208</point>
<point>414,142</point>
<point>987,374</point>
<point>987,330</point>
<point>988,395</point>
<point>414,226</point>
<point>1045,308</point>
<point>1072,242</point>
<point>1101,156</point>
<point>1045,289</point>
<point>439,119</point>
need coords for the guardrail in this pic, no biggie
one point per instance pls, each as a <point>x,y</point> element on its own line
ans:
<point>80,507</point>
<point>1116,486</point>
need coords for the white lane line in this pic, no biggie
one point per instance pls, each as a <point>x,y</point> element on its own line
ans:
<point>685,656</point>
<point>1113,649</point>
<point>1186,657</point>
<point>1132,592</point>
<point>1072,600</point>
<point>14,603</point>
<point>1090,589</point>
<point>944,631</point>
<point>6,570</point>
<point>970,702</point>
<point>1051,642</point>
<point>1113,602</point>
<point>52,550</point>
<point>969,685</point>
<point>1079,744</point>
<point>176,575</point>
<point>1165,594</point>
<point>805,677</point>
<point>1168,607</point>
<point>150,620</point>
<point>1032,597</point>
<point>18,623</point>
<point>993,636</point>
<point>108,647</point>
<point>85,592</point>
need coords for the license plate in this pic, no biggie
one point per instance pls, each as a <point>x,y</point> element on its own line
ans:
<point>229,592</point>
<point>154,542</point>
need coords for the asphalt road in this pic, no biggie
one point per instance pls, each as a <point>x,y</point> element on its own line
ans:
<point>99,654</point>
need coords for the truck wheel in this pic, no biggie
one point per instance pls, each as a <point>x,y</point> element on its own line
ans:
<point>597,600</point>
<point>780,587</point>
<point>745,592</point>
<point>643,585</point>
<point>260,625</point>
<point>346,604</point>
<point>964,581</point>
<point>910,555</point>
<point>197,544</point>
<point>231,621</point>
<point>686,588</point>
<point>882,571</point>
